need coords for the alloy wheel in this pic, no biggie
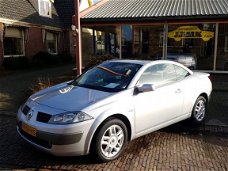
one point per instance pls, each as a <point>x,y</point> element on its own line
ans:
<point>199,111</point>
<point>112,141</point>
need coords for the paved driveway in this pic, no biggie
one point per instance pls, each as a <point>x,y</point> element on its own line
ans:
<point>179,147</point>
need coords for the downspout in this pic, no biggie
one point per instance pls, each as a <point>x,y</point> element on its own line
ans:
<point>78,38</point>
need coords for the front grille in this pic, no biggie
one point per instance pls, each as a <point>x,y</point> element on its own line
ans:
<point>43,117</point>
<point>26,109</point>
<point>36,140</point>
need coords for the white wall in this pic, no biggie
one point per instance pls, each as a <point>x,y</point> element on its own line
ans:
<point>85,4</point>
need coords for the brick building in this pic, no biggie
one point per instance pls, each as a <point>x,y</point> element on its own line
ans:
<point>30,26</point>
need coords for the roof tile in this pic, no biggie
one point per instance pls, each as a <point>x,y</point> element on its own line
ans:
<point>22,10</point>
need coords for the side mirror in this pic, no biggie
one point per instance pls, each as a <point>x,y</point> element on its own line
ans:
<point>146,88</point>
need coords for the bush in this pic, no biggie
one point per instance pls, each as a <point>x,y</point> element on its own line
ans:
<point>45,82</point>
<point>42,59</point>
<point>15,63</point>
<point>65,57</point>
<point>95,60</point>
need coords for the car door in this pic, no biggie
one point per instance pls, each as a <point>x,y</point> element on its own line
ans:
<point>188,83</point>
<point>156,108</point>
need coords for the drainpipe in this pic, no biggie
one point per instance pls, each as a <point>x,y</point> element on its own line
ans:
<point>78,38</point>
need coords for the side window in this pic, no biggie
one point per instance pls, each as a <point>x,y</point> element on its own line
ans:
<point>169,74</point>
<point>152,75</point>
<point>158,75</point>
<point>181,73</point>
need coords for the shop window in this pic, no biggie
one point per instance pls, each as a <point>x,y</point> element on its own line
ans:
<point>148,42</point>
<point>127,41</point>
<point>100,42</point>
<point>222,51</point>
<point>192,45</point>
<point>45,8</point>
<point>13,42</point>
<point>51,43</point>
<point>226,44</point>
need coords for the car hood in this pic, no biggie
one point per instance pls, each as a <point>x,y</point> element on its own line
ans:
<point>68,97</point>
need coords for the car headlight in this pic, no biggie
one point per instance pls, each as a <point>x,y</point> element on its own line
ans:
<point>69,117</point>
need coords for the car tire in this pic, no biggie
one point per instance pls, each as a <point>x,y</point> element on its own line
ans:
<point>199,110</point>
<point>110,140</point>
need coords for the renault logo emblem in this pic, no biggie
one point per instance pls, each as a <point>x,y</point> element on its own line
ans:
<point>29,115</point>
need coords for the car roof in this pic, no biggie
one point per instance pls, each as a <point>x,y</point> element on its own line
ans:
<point>142,62</point>
<point>149,62</point>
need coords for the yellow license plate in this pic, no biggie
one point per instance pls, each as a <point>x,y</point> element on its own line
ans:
<point>28,129</point>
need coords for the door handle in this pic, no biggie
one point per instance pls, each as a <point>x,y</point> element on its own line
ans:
<point>178,90</point>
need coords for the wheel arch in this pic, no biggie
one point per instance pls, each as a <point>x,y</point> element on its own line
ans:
<point>121,117</point>
<point>200,95</point>
<point>193,117</point>
<point>205,96</point>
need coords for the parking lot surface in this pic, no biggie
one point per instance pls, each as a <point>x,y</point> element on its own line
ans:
<point>179,147</point>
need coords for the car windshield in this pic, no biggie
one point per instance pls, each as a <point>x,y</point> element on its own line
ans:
<point>109,76</point>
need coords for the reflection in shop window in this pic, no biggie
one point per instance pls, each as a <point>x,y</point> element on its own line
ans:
<point>100,42</point>
<point>127,41</point>
<point>148,42</point>
<point>192,45</point>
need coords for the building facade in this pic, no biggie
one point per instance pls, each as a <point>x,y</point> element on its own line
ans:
<point>193,32</point>
<point>30,26</point>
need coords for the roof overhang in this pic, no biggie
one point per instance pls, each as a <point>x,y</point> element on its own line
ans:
<point>212,18</point>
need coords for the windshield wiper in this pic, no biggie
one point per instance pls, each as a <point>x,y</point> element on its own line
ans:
<point>110,71</point>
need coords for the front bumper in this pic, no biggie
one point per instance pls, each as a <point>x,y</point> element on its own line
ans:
<point>52,138</point>
<point>59,140</point>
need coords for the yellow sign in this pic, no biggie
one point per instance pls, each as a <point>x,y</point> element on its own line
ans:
<point>90,2</point>
<point>190,32</point>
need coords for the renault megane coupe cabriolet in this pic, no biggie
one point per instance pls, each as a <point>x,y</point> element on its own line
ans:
<point>112,104</point>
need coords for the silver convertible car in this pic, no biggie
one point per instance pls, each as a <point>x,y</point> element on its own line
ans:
<point>111,104</point>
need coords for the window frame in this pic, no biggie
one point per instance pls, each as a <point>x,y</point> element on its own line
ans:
<point>177,78</point>
<point>167,82</point>
<point>56,42</point>
<point>23,45</point>
<point>49,7</point>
